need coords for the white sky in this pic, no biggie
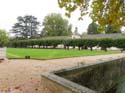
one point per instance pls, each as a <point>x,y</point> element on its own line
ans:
<point>11,9</point>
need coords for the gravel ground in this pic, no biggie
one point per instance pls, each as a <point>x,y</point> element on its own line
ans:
<point>23,76</point>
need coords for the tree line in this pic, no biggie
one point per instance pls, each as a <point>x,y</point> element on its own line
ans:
<point>104,43</point>
<point>27,26</point>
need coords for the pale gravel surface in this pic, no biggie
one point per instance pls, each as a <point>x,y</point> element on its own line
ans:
<point>23,76</point>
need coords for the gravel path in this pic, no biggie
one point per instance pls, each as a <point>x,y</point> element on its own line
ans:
<point>23,76</point>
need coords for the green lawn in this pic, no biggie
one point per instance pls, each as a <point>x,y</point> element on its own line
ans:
<point>52,53</point>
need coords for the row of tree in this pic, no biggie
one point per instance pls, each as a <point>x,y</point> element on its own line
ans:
<point>104,43</point>
<point>53,25</point>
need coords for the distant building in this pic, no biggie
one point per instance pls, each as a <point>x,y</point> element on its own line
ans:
<point>75,34</point>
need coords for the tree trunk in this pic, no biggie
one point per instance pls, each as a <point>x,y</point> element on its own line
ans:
<point>73,47</point>
<point>91,48</point>
<point>64,46</point>
<point>79,47</point>
<point>43,47</point>
<point>54,47</point>
<point>39,46</point>
<point>67,47</point>
<point>105,49</point>
<point>82,48</point>
<point>85,47</point>
<point>32,46</point>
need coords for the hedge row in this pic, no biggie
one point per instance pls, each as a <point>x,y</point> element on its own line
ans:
<point>80,43</point>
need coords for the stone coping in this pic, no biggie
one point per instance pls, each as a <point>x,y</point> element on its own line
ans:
<point>76,88</point>
<point>92,64</point>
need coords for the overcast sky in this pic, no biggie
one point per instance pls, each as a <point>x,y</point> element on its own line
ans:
<point>11,9</point>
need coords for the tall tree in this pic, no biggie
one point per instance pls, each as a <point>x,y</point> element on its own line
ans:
<point>3,38</point>
<point>109,29</point>
<point>26,27</point>
<point>93,28</point>
<point>105,12</point>
<point>55,25</point>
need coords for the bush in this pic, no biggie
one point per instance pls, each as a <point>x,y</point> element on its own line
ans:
<point>3,38</point>
<point>92,43</point>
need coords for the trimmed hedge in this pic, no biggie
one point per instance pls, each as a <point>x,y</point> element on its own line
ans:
<point>80,43</point>
<point>106,43</point>
<point>120,43</point>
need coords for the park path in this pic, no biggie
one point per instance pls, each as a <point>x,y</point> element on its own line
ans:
<point>24,76</point>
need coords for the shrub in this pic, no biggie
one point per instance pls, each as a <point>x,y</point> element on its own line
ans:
<point>120,43</point>
<point>106,43</point>
<point>3,38</point>
<point>91,43</point>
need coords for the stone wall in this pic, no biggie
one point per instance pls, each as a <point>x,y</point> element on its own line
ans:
<point>53,86</point>
<point>2,53</point>
<point>101,77</point>
<point>57,84</point>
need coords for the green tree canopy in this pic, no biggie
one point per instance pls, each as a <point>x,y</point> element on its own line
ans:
<point>93,28</point>
<point>105,12</point>
<point>26,27</point>
<point>55,25</point>
<point>109,29</point>
<point>3,38</point>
